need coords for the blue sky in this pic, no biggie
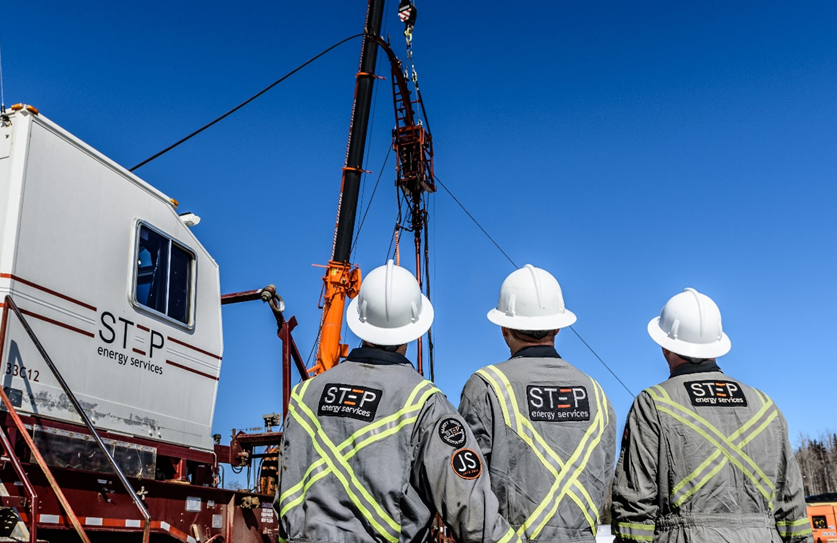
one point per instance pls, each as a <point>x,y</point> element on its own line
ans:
<point>632,149</point>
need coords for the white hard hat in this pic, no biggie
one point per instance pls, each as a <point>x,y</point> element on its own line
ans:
<point>531,299</point>
<point>390,308</point>
<point>690,325</point>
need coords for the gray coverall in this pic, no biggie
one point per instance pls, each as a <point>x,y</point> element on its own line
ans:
<point>371,451</point>
<point>705,458</point>
<point>549,436</point>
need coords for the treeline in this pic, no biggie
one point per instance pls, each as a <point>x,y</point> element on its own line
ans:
<point>818,462</point>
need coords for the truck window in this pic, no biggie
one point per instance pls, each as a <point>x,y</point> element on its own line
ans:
<point>163,275</point>
<point>819,522</point>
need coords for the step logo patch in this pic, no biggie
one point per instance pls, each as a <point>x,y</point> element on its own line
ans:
<point>558,403</point>
<point>452,432</point>
<point>715,393</point>
<point>466,463</point>
<point>352,401</point>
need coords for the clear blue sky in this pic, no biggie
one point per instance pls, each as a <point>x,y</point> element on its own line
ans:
<point>631,148</point>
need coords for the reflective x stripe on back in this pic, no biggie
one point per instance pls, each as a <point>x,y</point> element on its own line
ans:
<point>333,458</point>
<point>728,449</point>
<point>565,473</point>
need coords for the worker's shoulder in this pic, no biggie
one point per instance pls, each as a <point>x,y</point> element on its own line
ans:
<point>684,381</point>
<point>392,378</point>
<point>546,370</point>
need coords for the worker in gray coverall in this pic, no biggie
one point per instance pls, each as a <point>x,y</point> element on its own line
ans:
<point>546,429</point>
<point>705,458</point>
<point>371,449</point>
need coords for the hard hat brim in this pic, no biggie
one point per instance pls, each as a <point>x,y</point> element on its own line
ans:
<point>684,348</point>
<point>545,322</point>
<point>390,336</point>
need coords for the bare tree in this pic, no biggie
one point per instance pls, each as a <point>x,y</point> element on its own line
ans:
<point>817,460</point>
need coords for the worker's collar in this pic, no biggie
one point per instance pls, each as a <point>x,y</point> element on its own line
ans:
<point>537,351</point>
<point>700,367</point>
<point>371,355</point>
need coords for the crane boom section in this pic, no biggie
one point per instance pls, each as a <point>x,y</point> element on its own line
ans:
<point>341,278</point>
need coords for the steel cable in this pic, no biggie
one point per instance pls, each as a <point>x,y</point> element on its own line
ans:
<point>244,103</point>
<point>518,267</point>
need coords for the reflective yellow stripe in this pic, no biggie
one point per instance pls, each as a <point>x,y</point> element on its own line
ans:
<point>522,422</point>
<point>500,392</point>
<point>806,531</point>
<point>303,386</point>
<point>637,525</point>
<point>750,475</point>
<point>663,392</point>
<point>290,505</point>
<point>317,432</point>
<point>719,463</point>
<point>721,442</point>
<point>726,441</point>
<point>765,406</point>
<point>799,522</point>
<point>503,407</point>
<point>365,512</point>
<point>412,406</point>
<point>551,494</point>
<point>689,413</point>
<point>579,486</point>
<point>508,537</point>
<point>706,478</point>
<point>794,527</point>
<point>369,428</point>
<point>409,408</point>
<point>800,527</point>
<point>635,531</point>
<point>526,431</point>
<point>298,390</point>
<point>597,423</point>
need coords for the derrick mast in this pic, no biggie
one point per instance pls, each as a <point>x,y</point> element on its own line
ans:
<point>413,146</point>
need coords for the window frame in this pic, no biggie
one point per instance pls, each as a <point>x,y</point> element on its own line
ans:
<point>193,273</point>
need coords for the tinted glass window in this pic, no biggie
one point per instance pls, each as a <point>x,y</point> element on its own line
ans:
<point>819,522</point>
<point>179,281</point>
<point>152,270</point>
<point>164,275</point>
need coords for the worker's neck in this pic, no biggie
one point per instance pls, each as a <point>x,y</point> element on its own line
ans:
<point>400,349</point>
<point>517,341</point>
<point>520,345</point>
<point>675,361</point>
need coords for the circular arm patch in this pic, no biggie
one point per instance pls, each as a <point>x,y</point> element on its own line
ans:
<point>466,463</point>
<point>452,432</point>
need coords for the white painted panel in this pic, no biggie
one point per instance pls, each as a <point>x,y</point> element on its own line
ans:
<point>74,264</point>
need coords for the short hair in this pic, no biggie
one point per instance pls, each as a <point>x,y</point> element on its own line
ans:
<point>536,335</point>
<point>692,359</point>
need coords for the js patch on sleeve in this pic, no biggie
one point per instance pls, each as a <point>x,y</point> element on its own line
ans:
<point>557,403</point>
<point>452,432</point>
<point>715,393</point>
<point>353,401</point>
<point>466,463</point>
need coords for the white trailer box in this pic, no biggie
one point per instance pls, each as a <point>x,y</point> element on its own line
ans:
<point>117,288</point>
